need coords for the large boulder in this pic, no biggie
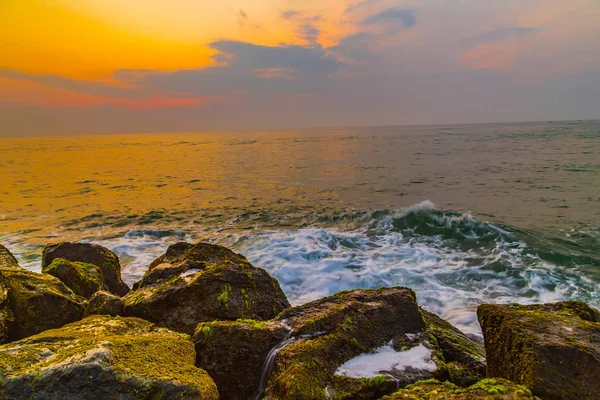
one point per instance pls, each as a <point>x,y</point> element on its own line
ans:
<point>182,257</point>
<point>82,278</point>
<point>7,260</point>
<point>554,349</point>
<point>104,303</point>
<point>233,353</point>
<point>38,302</point>
<point>227,289</point>
<point>90,254</point>
<point>361,344</point>
<point>103,358</point>
<point>487,389</point>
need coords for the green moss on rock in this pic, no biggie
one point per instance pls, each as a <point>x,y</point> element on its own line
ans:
<point>215,293</point>
<point>554,349</point>
<point>39,302</point>
<point>102,357</point>
<point>485,389</point>
<point>104,303</point>
<point>83,279</point>
<point>7,259</point>
<point>106,260</point>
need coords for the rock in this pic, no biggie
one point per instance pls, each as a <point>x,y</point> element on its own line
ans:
<point>485,389</point>
<point>82,278</point>
<point>91,254</point>
<point>465,357</point>
<point>554,349</point>
<point>227,290</point>
<point>329,346</point>
<point>103,358</point>
<point>7,317</point>
<point>39,302</point>
<point>7,260</point>
<point>104,303</point>
<point>182,257</point>
<point>233,353</point>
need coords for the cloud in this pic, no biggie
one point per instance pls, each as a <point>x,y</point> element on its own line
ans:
<point>355,6</point>
<point>507,32</point>
<point>376,28</point>
<point>247,68</point>
<point>408,17</point>
<point>290,14</point>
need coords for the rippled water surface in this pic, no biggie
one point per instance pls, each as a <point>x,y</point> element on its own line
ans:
<point>462,214</point>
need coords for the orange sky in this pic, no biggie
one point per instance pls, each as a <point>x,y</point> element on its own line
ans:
<point>51,49</point>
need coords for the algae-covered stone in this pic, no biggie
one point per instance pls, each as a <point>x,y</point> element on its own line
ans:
<point>39,302</point>
<point>465,357</point>
<point>344,342</point>
<point>182,257</point>
<point>554,349</point>
<point>224,291</point>
<point>492,389</point>
<point>90,254</point>
<point>7,260</point>
<point>233,353</point>
<point>104,303</point>
<point>7,317</point>
<point>102,357</point>
<point>82,278</point>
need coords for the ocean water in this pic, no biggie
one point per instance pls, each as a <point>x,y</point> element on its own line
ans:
<point>462,214</point>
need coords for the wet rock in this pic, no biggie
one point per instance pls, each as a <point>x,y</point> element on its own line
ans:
<point>103,358</point>
<point>82,278</point>
<point>90,254</point>
<point>39,302</point>
<point>182,257</point>
<point>233,353</point>
<point>337,347</point>
<point>334,331</point>
<point>465,357</point>
<point>554,349</point>
<point>7,317</point>
<point>104,303</point>
<point>492,389</point>
<point>7,260</point>
<point>220,288</point>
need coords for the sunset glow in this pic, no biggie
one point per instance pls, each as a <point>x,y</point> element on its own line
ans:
<point>156,54</point>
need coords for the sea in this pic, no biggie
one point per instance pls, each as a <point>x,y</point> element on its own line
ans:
<point>462,214</point>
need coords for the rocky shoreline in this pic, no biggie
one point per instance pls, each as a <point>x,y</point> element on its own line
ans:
<point>204,323</point>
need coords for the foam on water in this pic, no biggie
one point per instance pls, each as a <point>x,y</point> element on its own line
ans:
<point>386,359</point>
<point>453,261</point>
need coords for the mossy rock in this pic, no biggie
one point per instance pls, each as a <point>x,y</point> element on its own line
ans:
<point>104,303</point>
<point>492,389</point>
<point>7,317</point>
<point>182,257</point>
<point>554,349</point>
<point>228,290</point>
<point>465,357</point>
<point>331,331</point>
<point>233,353</point>
<point>82,278</point>
<point>39,302</point>
<point>102,357</point>
<point>7,260</point>
<point>90,254</point>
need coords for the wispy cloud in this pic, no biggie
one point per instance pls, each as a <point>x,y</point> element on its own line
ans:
<point>507,32</point>
<point>408,17</point>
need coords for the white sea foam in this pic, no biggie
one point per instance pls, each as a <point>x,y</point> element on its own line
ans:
<point>454,263</point>
<point>386,359</point>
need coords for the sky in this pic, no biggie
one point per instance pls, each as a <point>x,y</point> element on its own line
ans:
<point>114,66</point>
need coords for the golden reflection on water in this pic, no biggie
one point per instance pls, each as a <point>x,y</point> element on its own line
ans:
<point>523,175</point>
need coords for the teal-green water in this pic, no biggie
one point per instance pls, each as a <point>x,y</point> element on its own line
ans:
<point>463,214</point>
